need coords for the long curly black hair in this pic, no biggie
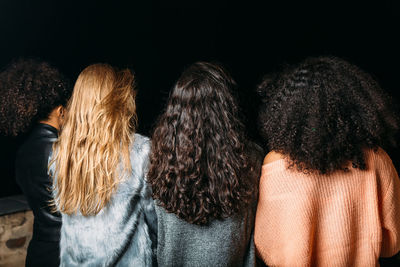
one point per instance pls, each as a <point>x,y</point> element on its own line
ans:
<point>199,167</point>
<point>323,112</point>
<point>29,90</point>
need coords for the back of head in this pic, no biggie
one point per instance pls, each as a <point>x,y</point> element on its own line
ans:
<point>323,112</point>
<point>198,164</point>
<point>30,90</point>
<point>95,138</point>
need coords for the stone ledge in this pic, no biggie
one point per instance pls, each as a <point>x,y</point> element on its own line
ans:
<point>16,225</point>
<point>15,234</point>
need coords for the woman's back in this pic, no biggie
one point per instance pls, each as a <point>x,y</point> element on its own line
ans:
<point>99,173</point>
<point>204,173</point>
<point>336,201</point>
<point>226,242</point>
<point>120,234</point>
<point>340,219</point>
<point>221,242</point>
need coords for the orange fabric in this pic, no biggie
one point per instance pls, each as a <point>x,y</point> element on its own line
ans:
<point>342,219</point>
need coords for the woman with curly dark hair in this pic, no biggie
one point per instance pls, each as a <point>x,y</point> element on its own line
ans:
<point>31,91</point>
<point>329,194</point>
<point>204,174</point>
<point>32,99</point>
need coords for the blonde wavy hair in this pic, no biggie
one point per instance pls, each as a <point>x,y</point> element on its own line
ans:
<point>94,140</point>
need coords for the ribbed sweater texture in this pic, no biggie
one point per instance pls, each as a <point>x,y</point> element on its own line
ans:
<point>342,219</point>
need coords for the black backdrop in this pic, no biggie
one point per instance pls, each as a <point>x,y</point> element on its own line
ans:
<point>158,39</point>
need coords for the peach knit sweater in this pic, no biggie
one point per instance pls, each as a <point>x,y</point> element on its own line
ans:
<point>342,219</point>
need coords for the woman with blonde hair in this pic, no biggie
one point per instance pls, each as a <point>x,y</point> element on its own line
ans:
<point>99,167</point>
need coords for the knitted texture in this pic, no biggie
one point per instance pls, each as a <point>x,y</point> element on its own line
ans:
<point>341,219</point>
<point>221,243</point>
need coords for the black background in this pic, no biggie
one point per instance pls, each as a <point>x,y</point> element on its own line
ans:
<point>158,39</point>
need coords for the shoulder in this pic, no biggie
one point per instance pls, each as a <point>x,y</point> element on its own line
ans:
<point>379,162</point>
<point>43,134</point>
<point>141,144</point>
<point>382,155</point>
<point>378,159</point>
<point>139,153</point>
<point>141,139</point>
<point>36,149</point>
<point>272,156</point>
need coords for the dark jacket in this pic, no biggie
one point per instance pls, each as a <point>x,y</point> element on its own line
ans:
<point>32,177</point>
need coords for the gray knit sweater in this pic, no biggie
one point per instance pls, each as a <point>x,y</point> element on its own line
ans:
<point>226,242</point>
<point>122,233</point>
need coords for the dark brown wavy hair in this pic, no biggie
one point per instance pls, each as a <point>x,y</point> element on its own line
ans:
<point>199,168</point>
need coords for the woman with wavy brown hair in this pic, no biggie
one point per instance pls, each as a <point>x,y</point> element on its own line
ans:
<point>204,174</point>
<point>99,166</point>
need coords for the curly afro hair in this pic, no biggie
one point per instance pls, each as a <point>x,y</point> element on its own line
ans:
<point>200,169</point>
<point>322,113</point>
<point>29,91</point>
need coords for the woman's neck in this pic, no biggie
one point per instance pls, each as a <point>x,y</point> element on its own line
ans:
<point>51,123</point>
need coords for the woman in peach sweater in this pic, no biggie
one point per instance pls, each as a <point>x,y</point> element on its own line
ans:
<point>329,194</point>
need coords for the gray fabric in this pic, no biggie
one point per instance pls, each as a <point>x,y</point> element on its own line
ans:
<point>221,243</point>
<point>120,235</point>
